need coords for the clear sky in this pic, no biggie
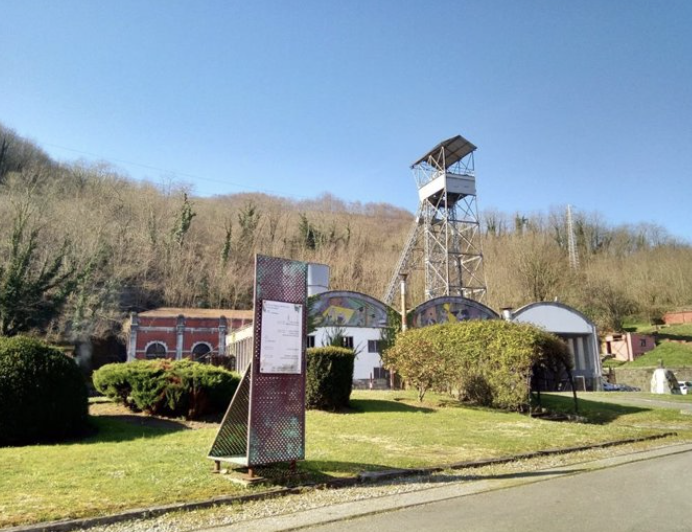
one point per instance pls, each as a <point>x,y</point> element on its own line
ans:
<point>586,102</point>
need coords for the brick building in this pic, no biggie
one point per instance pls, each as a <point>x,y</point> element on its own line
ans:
<point>677,317</point>
<point>627,347</point>
<point>177,333</point>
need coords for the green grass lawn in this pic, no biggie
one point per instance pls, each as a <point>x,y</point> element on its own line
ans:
<point>127,465</point>
<point>676,332</point>
<point>672,354</point>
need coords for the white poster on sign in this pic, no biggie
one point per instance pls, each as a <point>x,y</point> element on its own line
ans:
<point>281,344</point>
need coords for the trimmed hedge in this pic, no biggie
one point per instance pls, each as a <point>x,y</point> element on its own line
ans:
<point>487,362</point>
<point>168,388</point>
<point>329,377</point>
<point>43,396</point>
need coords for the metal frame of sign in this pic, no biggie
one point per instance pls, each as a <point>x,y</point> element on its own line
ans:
<point>265,422</point>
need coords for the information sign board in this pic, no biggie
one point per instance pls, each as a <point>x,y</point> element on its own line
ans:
<point>265,422</point>
<point>281,347</point>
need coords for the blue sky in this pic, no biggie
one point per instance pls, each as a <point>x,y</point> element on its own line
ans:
<point>587,103</point>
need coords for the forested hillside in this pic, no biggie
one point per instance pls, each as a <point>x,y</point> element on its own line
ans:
<point>81,245</point>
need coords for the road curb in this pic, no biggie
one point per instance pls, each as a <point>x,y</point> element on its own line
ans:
<point>67,525</point>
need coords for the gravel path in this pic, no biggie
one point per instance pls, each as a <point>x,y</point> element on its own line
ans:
<point>315,498</point>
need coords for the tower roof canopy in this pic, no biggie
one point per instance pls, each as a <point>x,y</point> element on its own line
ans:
<point>447,152</point>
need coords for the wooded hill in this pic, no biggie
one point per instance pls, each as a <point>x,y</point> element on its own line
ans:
<point>81,245</point>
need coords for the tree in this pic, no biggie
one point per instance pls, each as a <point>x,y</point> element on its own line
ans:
<point>607,305</point>
<point>183,221</point>
<point>3,157</point>
<point>415,359</point>
<point>309,236</point>
<point>32,291</point>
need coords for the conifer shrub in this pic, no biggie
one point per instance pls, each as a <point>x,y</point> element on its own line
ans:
<point>43,396</point>
<point>168,388</point>
<point>486,362</point>
<point>113,381</point>
<point>329,377</point>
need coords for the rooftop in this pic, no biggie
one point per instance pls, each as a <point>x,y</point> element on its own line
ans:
<point>447,153</point>
<point>198,313</point>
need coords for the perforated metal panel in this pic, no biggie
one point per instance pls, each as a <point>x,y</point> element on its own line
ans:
<point>231,440</point>
<point>277,401</point>
<point>265,422</point>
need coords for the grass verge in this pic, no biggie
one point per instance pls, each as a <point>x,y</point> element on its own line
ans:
<point>128,465</point>
<point>672,354</point>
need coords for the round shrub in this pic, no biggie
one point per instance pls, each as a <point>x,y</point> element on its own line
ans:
<point>329,377</point>
<point>113,381</point>
<point>168,388</point>
<point>43,397</point>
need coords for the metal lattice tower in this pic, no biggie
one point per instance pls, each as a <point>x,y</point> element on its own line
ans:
<point>571,243</point>
<point>446,226</point>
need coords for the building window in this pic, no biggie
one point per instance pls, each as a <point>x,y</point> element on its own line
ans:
<point>201,352</point>
<point>373,346</point>
<point>156,350</point>
<point>380,373</point>
<point>642,342</point>
<point>311,341</point>
<point>347,341</point>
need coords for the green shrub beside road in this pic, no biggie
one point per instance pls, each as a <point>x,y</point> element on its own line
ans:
<point>43,397</point>
<point>168,388</point>
<point>486,362</point>
<point>329,377</point>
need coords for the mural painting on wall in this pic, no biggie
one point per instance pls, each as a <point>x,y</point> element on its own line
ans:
<point>347,309</point>
<point>448,310</point>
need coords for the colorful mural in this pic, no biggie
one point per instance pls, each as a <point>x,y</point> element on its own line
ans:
<point>347,309</point>
<point>449,309</point>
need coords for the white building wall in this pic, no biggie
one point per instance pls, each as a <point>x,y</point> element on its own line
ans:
<point>365,362</point>
<point>240,346</point>
<point>554,319</point>
<point>582,336</point>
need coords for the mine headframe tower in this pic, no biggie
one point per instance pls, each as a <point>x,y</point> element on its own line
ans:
<point>446,225</point>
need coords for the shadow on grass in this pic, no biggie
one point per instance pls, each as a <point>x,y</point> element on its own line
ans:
<point>595,412</point>
<point>319,471</point>
<point>123,427</point>
<point>675,337</point>
<point>360,406</point>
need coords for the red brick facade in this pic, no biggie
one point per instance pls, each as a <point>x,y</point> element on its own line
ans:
<point>182,333</point>
<point>679,316</point>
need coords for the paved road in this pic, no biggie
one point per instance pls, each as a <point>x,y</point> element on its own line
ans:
<point>642,490</point>
<point>649,495</point>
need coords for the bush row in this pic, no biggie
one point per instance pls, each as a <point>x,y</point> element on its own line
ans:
<point>487,362</point>
<point>168,388</point>
<point>190,389</point>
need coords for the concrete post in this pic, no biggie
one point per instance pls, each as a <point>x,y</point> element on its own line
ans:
<point>132,344</point>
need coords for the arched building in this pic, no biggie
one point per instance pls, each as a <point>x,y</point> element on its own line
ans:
<point>449,309</point>
<point>575,329</point>
<point>356,321</point>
